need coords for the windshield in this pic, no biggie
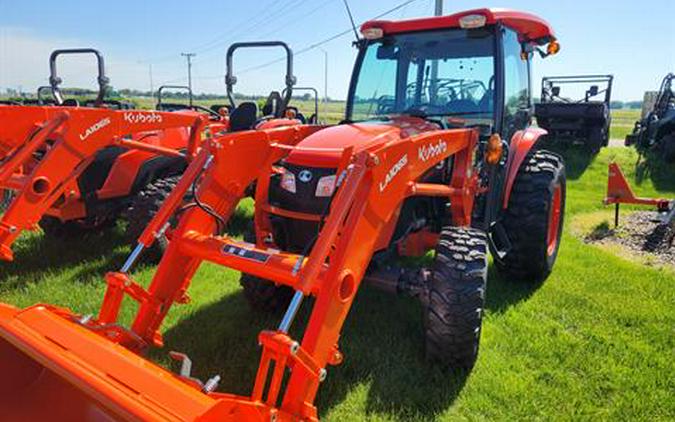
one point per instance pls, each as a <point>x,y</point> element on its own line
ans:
<point>437,73</point>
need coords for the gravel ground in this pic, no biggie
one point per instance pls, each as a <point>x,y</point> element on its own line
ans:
<point>641,235</point>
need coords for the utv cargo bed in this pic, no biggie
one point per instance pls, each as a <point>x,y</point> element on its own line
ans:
<point>584,121</point>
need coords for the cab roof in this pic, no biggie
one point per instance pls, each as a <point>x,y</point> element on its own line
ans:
<point>530,28</point>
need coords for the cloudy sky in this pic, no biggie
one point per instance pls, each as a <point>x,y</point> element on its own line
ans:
<point>634,40</point>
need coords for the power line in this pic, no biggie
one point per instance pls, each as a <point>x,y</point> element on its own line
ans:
<point>325,41</point>
<point>304,15</point>
<point>252,26</point>
<point>231,30</point>
<point>311,46</point>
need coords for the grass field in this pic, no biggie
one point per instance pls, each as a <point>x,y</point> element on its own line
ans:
<point>595,341</point>
<point>331,112</point>
<point>623,121</point>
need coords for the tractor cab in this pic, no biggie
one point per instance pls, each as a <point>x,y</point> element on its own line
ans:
<point>467,69</point>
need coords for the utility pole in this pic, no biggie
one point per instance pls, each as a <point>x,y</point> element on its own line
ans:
<point>438,11</point>
<point>189,57</point>
<point>325,81</point>
<point>152,88</point>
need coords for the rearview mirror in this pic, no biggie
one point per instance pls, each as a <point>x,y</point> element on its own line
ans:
<point>386,52</point>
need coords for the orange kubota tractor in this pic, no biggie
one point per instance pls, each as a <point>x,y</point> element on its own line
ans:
<point>72,167</point>
<point>435,154</point>
<point>277,111</point>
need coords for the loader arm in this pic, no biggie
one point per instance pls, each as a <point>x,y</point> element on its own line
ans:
<point>93,362</point>
<point>69,139</point>
<point>376,183</point>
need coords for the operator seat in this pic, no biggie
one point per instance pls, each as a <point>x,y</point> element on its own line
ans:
<point>272,104</point>
<point>244,116</point>
<point>486,103</point>
<point>463,105</point>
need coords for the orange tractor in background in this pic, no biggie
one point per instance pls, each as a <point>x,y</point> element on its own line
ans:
<point>72,168</point>
<point>436,153</point>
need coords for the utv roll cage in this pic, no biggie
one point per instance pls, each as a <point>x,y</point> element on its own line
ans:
<point>551,88</point>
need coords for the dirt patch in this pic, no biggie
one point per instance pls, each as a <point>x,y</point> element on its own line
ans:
<point>641,234</point>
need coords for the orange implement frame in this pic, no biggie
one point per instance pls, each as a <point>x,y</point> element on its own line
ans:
<point>67,140</point>
<point>620,192</point>
<point>95,355</point>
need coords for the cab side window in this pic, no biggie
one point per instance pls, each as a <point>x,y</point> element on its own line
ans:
<point>516,85</point>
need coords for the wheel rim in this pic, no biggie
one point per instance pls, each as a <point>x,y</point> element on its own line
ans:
<point>554,216</point>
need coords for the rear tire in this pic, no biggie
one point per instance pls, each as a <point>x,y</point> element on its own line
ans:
<point>454,312</point>
<point>530,220</point>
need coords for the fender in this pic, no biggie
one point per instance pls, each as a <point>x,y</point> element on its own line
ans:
<point>521,143</point>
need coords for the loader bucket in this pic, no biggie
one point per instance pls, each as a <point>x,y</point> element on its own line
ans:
<point>53,368</point>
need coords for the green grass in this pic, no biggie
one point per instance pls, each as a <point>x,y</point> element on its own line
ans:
<point>595,341</point>
<point>331,112</point>
<point>623,121</point>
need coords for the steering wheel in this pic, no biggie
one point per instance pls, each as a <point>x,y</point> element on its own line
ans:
<point>264,119</point>
<point>213,114</point>
<point>385,104</point>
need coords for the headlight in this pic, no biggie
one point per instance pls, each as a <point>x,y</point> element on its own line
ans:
<point>288,181</point>
<point>325,186</point>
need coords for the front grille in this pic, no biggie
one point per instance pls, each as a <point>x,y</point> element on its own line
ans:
<point>304,198</point>
<point>291,234</point>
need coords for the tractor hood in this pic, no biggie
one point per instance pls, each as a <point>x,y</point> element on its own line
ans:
<point>324,148</point>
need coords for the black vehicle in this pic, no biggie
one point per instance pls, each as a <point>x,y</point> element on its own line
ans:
<point>584,120</point>
<point>657,127</point>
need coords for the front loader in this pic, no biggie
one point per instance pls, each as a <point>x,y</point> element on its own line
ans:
<point>71,168</point>
<point>59,162</point>
<point>74,166</point>
<point>424,162</point>
<point>232,117</point>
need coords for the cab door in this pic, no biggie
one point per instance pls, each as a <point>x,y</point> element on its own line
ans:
<point>517,112</point>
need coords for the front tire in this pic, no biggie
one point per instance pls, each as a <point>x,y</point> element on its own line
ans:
<point>143,208</point>
<point>6,197</point>
<point>534,218</point>
<point>261,294</point>
<point>454,312</point>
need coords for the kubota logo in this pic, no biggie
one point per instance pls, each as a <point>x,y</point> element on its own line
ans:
<point>142,118</point>
<point>427,152</point>
<point>95,128</point>
<point>393,171</point>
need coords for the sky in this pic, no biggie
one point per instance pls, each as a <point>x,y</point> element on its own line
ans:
<point>142,41</point>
